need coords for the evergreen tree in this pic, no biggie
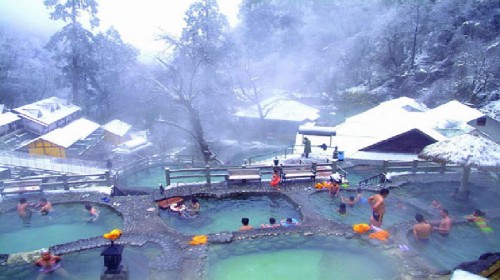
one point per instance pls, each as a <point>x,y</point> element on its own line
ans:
<point>73,49</point>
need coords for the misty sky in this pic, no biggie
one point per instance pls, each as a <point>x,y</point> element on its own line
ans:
<point>138,21</point>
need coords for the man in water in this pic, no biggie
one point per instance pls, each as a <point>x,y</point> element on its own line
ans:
<point>445,224</point>
<point>378,207</point>
<point>24,211</point>
<point>246,226</point>
<point>93,213</point>
<point>49,264</point>
<point>45,206</point>
<point>421,230</point>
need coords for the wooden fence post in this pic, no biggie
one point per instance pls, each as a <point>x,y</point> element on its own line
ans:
<point>65,182</point>
<point>385,166</point>
<point>415,166</point>
<point>314,166</point>
<point>334,166</point>
<point>207,168</point>
<point>167,176</point>
<point>108,178</point>
<point>443,167</point>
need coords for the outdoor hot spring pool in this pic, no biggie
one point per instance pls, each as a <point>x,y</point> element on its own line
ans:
<point>466,242</point>
<point>224,214</point>
<point>397,211</point>
<point>422,195</point>
<point>87,265</point>
<point>294,257</point>
<point>65,224</point>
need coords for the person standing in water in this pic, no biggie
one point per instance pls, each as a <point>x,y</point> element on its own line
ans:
<point>45,206</point>
<point>445,224</point>
<point>421,230</point>
<point>24,211</point>
<point>377,203</point>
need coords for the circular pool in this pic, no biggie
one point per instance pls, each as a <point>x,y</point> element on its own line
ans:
<point>68,222</point>
<point>224,214</point>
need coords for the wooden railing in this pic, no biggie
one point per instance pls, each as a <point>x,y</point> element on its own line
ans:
<point>282,153</point>
<point>416,166</point>
<point>64,182</point>
<point>208,174</point>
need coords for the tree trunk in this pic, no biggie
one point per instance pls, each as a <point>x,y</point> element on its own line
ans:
<point>194,117</point>
<point>463,191</point>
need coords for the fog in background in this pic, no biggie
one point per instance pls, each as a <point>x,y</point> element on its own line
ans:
<point>340,56</point>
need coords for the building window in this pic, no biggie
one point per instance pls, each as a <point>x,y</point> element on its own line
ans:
<point>481,121</point>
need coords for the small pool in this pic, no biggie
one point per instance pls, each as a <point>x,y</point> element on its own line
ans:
<point>396,210</point>
<point>421,195</point>
<point>224,214</point>
<point>465,243</point>
<point>66,223</point>
<point>89,264</point>
<point>294,257</point>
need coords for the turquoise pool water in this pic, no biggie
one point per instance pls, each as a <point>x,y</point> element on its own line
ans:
<point>465,243</point>
<point>396,210</point>
<point>224,214</point>
<point>361,172</point>
<point>151,177</point>
<point>421,195</point>
<point>299,258</point>
<point>87,265</point>
<point>66,223</point>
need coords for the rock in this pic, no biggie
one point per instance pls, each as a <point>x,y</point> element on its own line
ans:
<point>308,233</point>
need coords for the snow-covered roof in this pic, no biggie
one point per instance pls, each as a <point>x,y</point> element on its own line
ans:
<point>70,134</point>
<point>396,117</point>
<point>7,118</point>
<point>47,111</point>
<point>453,111</point>
<point>467,149</point>
<point>279,108</point>
<point>492,110</point>
<point>2,107</point>
<point>117,127</point>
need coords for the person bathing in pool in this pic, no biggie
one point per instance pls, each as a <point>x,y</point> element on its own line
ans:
<point>49,264</point>
<point>445,224</point>
<point>422,229</point>
<point>93,213</point>
<point>351,201</point>
<point>45,206</point>
<point>377,203</point>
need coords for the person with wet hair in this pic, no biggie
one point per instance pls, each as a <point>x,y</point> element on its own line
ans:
<point>245,222</point>
<point>24,211</point>
<point>92,212</point>
<point>377,203</point>
<point>421,230</point>
<point>342,209</point>
<point>445,224</point>
<point>272,224</point>
<point>351,201</point>
<point>45,206</point>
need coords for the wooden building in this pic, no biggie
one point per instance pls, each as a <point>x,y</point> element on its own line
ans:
<point>116,132</point>
<point>45,115</point>
<point>69,141</point>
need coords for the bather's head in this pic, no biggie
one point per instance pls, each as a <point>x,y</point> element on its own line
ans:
<point>245,221</point>
<point>419,217</point>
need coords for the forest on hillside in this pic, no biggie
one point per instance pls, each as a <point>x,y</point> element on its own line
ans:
<point>347,54</point>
